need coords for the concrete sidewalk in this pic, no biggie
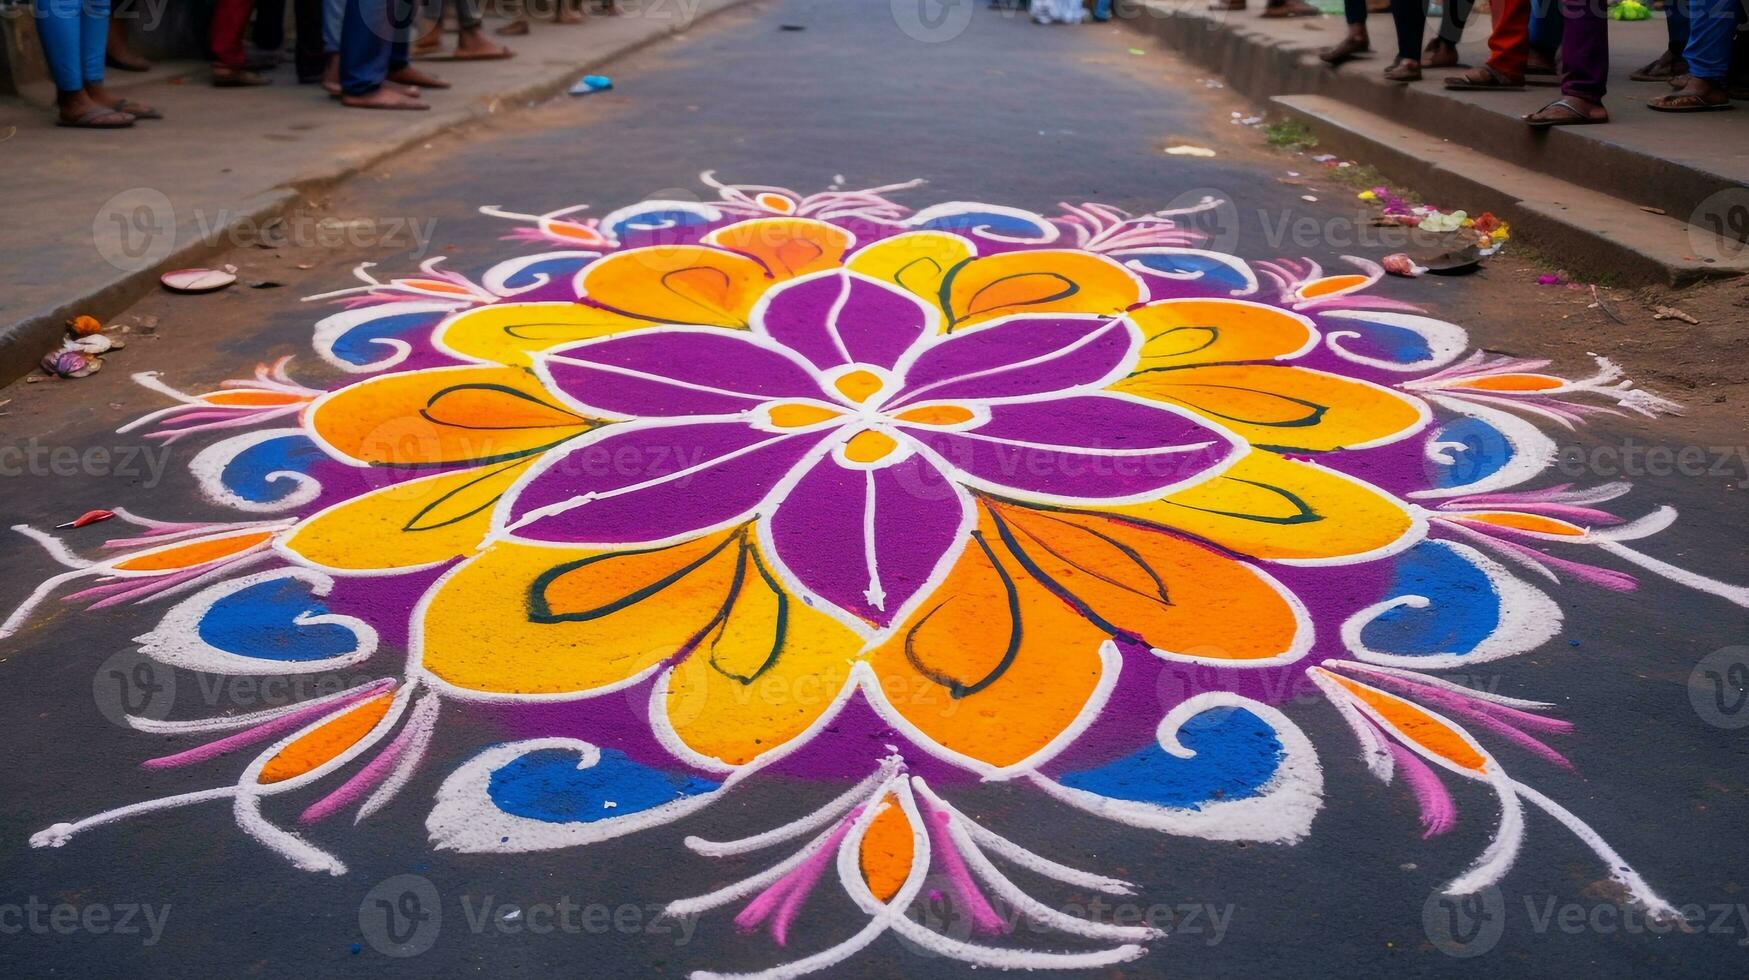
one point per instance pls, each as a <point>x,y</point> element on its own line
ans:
<point>92,218</point>
<point>1642,199</point>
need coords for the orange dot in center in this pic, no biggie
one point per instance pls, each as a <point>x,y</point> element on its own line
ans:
<point>869,446</point>
<point>858,385</point>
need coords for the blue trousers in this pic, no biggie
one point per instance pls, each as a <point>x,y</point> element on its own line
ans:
<point>73,34</point>
<point>374,38</point>
<point>1712,26</point>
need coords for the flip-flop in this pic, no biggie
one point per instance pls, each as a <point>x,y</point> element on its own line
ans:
<point>1578,116</point>
<point>1660,70</point>
<point>137,110</point>
<point>1686,102</point>
<point>89,120</point>
<point>1495,83</point>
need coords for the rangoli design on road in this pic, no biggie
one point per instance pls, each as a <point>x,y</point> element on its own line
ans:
<point>820,488</point>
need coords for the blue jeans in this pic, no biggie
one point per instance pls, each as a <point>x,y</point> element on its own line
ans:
<point>1546,26</point>
<point>1101,9</point>
<point>373,42</point>
<point>1712,26</point>
<point>73,34</point>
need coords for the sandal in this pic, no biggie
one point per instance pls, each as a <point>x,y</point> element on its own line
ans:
<point>1440,53</point>
<point>1571,115</point>
<point>98,118</point>
<point>136,110</point>
<point>1665,66</point>
<point>1291,8</point>
<point>1346,50</point>
<point>238,78</point>
<point>1404,71</point>
<point>1687,102</point>
<point>1484,79</point>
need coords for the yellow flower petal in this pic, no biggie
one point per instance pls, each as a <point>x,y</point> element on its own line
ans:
<point>441,416</point>
<point>1285,407</point>
<point>789,247</point>
<point>1266,506</point>
<point>529,620</point>
<point>1039,281</point>
<point>678,284</point>
<point>508,333</point>
<point>407,525</point>
<point>761,675</point>
<point>917,261</point>
<point>1183,332</point>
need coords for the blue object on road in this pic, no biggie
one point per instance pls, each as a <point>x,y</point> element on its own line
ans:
<point>591,83</point>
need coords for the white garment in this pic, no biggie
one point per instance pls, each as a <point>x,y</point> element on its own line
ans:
<point>1060,11</point>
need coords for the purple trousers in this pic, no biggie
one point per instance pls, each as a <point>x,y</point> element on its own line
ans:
<point>1584,49</point>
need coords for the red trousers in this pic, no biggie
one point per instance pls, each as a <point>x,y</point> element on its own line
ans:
<point>1509,42</point>
<point>230,21</point>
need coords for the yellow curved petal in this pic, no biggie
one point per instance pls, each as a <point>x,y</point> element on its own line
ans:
<point>441,416</point>
<point>530,620</point>
<point>1045,280</point>
<point>1182,332</point>
<point>406,525</point>
<point>789,247</point>
<point>1266,506</point>
<point>508,333</point>
<point>1285,407</point>
<point>761,675</point>
<point>917,261</point>
<point>994,666</point>
<point>678,284</point>
<point>1181,598</point>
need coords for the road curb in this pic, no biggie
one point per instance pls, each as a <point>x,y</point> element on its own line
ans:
<point>25,340</point>
<point>1259,63</point>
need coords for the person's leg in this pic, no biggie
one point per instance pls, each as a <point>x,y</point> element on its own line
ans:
<point>1584,51</point>
<point>269,33</point>
<point>1452,17</point>
<point>225,33</point>
<point>472,42</point>
<point>333,16</point>
<point>369,43</point>
<point>1355,41</point>
<point>118,54</point>
<point>1410,18</point>
<point>307,19</point>
<point>1509,41</point>
<point>1712,29</point>
<point>57,24</point>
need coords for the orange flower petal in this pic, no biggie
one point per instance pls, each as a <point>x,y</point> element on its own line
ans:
<point>1179,597</point>
<point>441,416</point>
<point>325,740</point>
<point>789,247</point>
<point>1182,332</point>
<point>189,554</point>
<point>678,284</point>
<point>888,848</point>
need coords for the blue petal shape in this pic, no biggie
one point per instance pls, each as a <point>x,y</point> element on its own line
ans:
<point>1477,451</point>
<point>1236,753</point>
<point>262,622</point>
<point>361,345</point>
<point>1463,609</point>
<point>630,224</point>
<point>1208,268</point>
<point>1387,342</point>
<point>995,223</point>
<point>260,473</point>
<point>547,785</point>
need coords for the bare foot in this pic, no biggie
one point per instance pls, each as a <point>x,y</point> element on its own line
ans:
<point>331,75</point>
<point>473,44</point>
<point>383,98</point>
<point>78,109</point>
<point>515,28</point>
<point>101,95</point>
<point>413,76</point>
<point>117,54</point>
